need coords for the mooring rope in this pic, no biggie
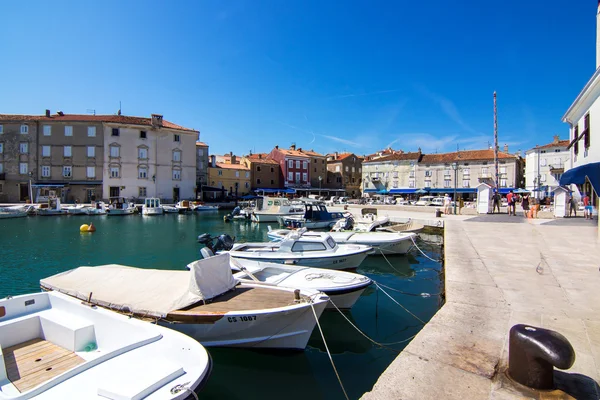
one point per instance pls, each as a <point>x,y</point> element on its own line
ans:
<point>183,387</point>
<point>423,294</point>
<point>328,353</point>
<point>385,345</point>
<point>394,268</point>
<point>422,252</point>
<point>404,308</point>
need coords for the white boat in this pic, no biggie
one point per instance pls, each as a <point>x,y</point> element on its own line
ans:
<point>97,208</point>
<point>268,209</point>
<point>368,221</point>
<point>152,207</point>
<point>51,208</point>
<point>57,347</point>
<point>170,209</point>
<point>386,243</point>
<point>343,288</point>
<point>119,206</point>
<point>14,211</point>
<point>78,209</point>
<point>204,207</point>
<point>315,216</point>
<point>425,201</point>
<point>318,250</point>
<point>183,206</point>
<point>206,303</point>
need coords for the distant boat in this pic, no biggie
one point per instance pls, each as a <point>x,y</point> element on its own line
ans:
<point>78,209</point>
<point>315,216</point>
<point>119,206</point>
<point>170,209</point>
<point>51,208</point>
<point>197,206</point>
<point>58,347</point>
<point>268,209</point>
<point>183,206</point>
<point>97,208</point>
<point>152,207</point>
<point>14,212</point>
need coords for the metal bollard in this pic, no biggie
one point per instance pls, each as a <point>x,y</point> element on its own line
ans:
<point>534,352</point>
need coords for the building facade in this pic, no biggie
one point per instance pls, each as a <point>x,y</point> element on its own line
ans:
<point>317,167</point>
<point>18,156</point>
<point>202,161</point>
<point>394,173</point>
<point>344,171</point>
<point>149,157</point>
<point>232,178</point>
<point>544,165</point>
<point>264,172</point>
<point>294,167</point>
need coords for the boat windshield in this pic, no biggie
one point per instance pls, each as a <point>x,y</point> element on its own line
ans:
<point>308,246</point>
<point>331,242</point>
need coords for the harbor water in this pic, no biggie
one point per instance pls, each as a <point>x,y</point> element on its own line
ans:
<point>36,247</point>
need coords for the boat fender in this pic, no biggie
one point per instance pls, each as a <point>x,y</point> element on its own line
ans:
<point>297,295</point>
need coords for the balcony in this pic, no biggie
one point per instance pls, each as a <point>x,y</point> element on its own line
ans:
<point>485,175</point>
<point>2,176</point>
<point>557,168</point>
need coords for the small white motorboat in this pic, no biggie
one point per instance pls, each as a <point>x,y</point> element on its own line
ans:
<point>206,303</point>
<point>183,206</point>
<point>315,216</point>
<point>386,243</point>
<point>152,207</point>
<point>269,209</point>
<point>170,209</point>
<point>119,206</point>
<point>14,211</point>
<point>318,250</point>
<point>97,208</point>
<point>369,221</point>
<point>204,207</point>
<point>51,208</point>
<point>343,288</point>
<point>78,209</point>
<point>58,347</point>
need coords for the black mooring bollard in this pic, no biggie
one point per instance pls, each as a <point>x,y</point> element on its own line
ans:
<point>534,352</point>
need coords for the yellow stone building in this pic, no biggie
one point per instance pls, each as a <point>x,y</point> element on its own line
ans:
<point>233,178</point>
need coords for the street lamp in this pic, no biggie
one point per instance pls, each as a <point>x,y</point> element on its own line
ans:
<point>455,168</point>
<point>320,180</point>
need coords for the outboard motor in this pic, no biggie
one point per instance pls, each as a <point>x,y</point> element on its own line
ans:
<point>224,242</point>
<point>236,211</point>
<point>204,239</point>
<point>348,224</point>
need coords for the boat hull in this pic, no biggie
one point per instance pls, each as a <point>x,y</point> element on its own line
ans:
<point>50,213</point>
<point>344,300</point>
<point>285,329</point>
<point>351,261</point>
<point>258,216</point>
<point>121,212</point>
<point>398,248</point>
<point>152,211</point>
<point>18,214</point>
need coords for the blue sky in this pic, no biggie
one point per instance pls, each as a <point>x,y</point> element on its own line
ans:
<point>328,75</point>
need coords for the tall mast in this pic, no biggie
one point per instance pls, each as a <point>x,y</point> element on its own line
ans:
<point>496,143</point>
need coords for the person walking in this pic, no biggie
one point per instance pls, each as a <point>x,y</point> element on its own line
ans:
<point>510,198</point>
<point>587,207</point>
<point>572,206</point>
<point>461,204</point>
<point>534,205</point>
<point>447,204</point>
<point>496,200</point>
<point>525,205</point>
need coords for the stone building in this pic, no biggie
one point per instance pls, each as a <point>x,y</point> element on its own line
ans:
<point>344,171</point>
<point>264,172</point>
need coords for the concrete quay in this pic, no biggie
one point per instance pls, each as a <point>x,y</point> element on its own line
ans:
<point>501,271</point>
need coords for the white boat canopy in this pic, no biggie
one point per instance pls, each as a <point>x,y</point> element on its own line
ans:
<point>142,291</point>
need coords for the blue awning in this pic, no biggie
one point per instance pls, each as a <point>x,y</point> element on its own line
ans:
<point>271,190</point>
<point>505,190</point>
<point>403,191</point>
<point>370,190</point>
<point>450,191</point>
<point>578,175</point>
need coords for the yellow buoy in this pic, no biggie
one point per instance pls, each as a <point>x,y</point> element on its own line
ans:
<point>84,228</point>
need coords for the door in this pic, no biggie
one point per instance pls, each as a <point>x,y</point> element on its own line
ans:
<point>23,192</point>
<point>90,195</point>
<point>175,195</point>
<point>115,191</point>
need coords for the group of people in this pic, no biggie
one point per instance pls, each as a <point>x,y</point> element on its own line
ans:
<point>530,205</point>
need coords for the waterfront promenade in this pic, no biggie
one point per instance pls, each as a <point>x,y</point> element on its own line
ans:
<point>501,271</point>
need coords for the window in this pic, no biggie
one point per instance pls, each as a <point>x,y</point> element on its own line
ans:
<point>246,185</point>
<point>290,164</point>
<point>91,172</point>
<point>502,182</point>
<point>23,168</point>
<point>353,169</point>
<point>586,132</point>
<point>115,131</point>
<point>91,131</point>
<point>258,181</point>
<point>91,151</point>
<point>1,148</point>
<point>45,151</point>
<point>177,155</point>
<point>298,177</point>
<point>272,169</point>
<point>142,191</point>
<point>45,171</point>
<point>427,173</point>
<point>502,170</point>
<point>337,168</point>
<point>68,130</point>
<point>67,151</point>
<point>258,169</point>
<point>200,152</point>
<point>466,183</point>
<point>142,173</point>
<point>143,153</point>
<point>447,172</point>
<point>114,172</point>
<point>394,174</point>
<point>23,147</point>
<point>290,176</point>
<point>543,162</point>
<point>67,171</point>
<point>143,136</point>
<point>394,184</point>
<point>304,177</point>
<point>304,165</point>
<point>447,183</point>
<point>1,129</point>
<point>247,174</point>
<point>220,173</point>
<point>24,129</point>
<point>427,183</point>
<point>272,182</point>
<point>176,138</point>
<point>466,171</point>
<point>47,129</point>
<point>237,174</point>
<point>176,174</point>
<point>308,246</point>
<point>298,164</point>
<point>575,136</point>
<point>543,178</point>
<point>114,151</point>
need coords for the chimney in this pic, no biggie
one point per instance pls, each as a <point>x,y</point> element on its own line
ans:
<point>277,146</point>
<point>598,36</point>
<point>157,120</point>
<point>47,113</point>
<point>556,137</point>
<point>213,161</point>
<point>233,159</point>
<point>336,156</point>
<point>293,146</point>
<point>260,156</point>
<point>505,148</point>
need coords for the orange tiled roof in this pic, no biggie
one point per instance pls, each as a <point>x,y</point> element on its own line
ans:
<point>119,119</point>
<point>311,153</point>
<point>342,156</point>
<point>397,157</point>
<point>294,153</point>
<point>201,144</point>
<point>560,143</point>
<point>466,155</point>
<point>262,158</point>
<point>231,166</point>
